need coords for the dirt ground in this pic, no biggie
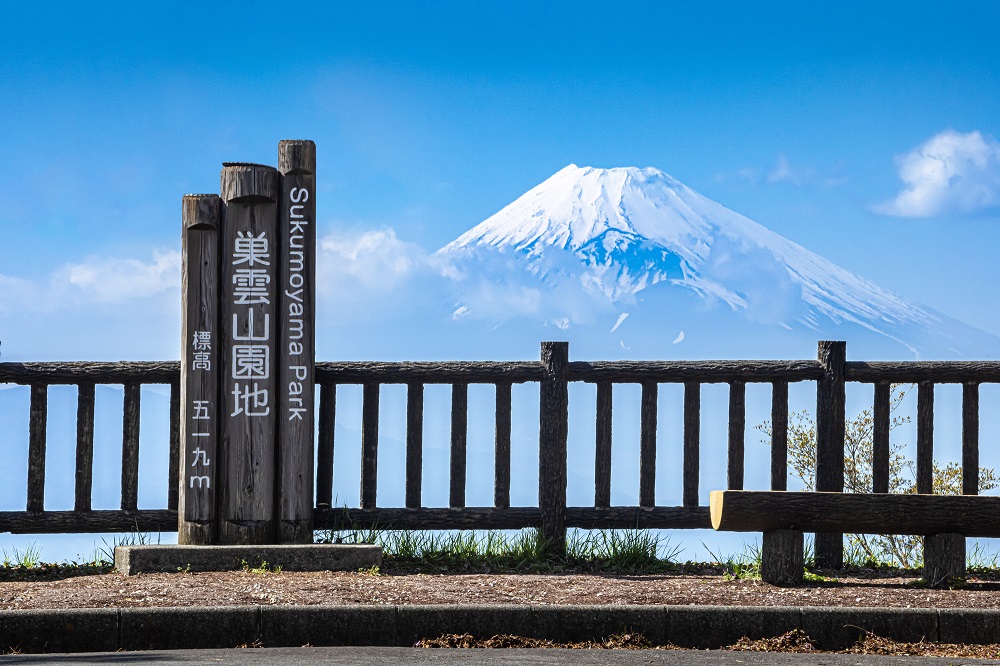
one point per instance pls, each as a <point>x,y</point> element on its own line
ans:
<point>400,585</point>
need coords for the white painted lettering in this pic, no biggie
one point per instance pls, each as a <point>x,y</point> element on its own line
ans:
<point>296,261</point>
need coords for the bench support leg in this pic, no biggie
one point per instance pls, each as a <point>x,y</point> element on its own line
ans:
<point>944,559</point>
<point>781,557</point>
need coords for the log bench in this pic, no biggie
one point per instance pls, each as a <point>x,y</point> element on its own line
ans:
<point>943,520</point>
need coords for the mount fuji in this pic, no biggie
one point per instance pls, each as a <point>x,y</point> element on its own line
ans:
<point>633,258</point>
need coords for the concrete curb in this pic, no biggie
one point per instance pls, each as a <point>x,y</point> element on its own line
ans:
<point>100,629</point>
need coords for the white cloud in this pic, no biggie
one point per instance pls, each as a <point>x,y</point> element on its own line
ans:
<point>368,261</point>
<point>94,281</point>
<point>950,173</point>
<point>113,280</point>
<point>98,308</point>
<point>784,172</point>
<point>373,276</point>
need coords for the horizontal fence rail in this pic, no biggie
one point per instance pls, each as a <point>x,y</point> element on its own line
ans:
<point>553,372</point>
<point>86,376</point>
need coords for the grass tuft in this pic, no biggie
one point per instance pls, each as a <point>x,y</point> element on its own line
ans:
<point>741,566</point>
<point>29,558</point>
<point>615,550</point>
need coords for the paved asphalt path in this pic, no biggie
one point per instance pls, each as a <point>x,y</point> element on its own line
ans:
<point>367,656</point>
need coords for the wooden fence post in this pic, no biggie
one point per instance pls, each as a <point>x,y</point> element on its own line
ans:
<point>37,419</point>
<point>248,354</point>
<point>830,416</point>
<point>198,476</point>
<point>297,341</point>
<point>553,421</point>
<point>944,553</point>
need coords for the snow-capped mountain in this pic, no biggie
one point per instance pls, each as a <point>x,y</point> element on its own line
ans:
<point>638,243</point>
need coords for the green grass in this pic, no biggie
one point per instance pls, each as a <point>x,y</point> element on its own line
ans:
<point>29,558</point>
<point>106,553</point>
<point>738,566</point>
<point>613,550</point>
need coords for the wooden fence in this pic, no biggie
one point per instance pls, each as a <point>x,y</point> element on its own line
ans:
<point>553,372</point>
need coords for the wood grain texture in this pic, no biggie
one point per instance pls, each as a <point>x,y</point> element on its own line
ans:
<point>429,372</point>
<point>944,559</point>
<point>513,518</point>
<point>37,418</point>
<point>782,556</point>
<point>296,156</point>
<point>488,372</point>
<point>602,456</point>
<point>858,513</point>
<point>830,394</point>
<point>970,439</point>
<point>459,437</point>
<point>913,372</point>
<point>501,451</point>
<point>880,438</point>
<point>99,372</point>
<point>87,522</point>
<point>369,445</point>
<point>925,437</point>
<point>68,522</point>
<point>84,447</point>
<point>196,485</point>
<point>706,372</point>
<point>830,415</point>
<point>692,442</point>
<point>324,456</point>
<point>130,447</point>
<point>647,443</point>
<point>779,435</point>
<point>414,443</point>
<point>552,435</point>
<point>737,435</point>
<point>174,460</point>
<point>249,182</point>
<point>248,320</point>
<point>296,341</point>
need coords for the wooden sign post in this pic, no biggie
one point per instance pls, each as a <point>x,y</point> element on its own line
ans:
<point>249,292</point>
<point>297,340</point>
<point>248,360</point>
<point>196,513</point>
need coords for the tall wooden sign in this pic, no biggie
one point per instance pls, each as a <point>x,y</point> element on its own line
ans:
<point>249,289</point>
<point>297,340</point>
<point>199,414</point>
<point>249,354</point>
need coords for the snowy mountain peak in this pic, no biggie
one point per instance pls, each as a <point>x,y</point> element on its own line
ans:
<point>630,234</point>
<point>578,205</point>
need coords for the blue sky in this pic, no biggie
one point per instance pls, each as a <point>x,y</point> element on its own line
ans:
<point>429,117</point>
<point>867,132</point>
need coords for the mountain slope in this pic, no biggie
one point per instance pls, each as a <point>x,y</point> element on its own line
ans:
<point>632,241</point>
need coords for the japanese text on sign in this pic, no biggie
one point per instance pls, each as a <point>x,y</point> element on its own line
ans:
<point>251,286</point>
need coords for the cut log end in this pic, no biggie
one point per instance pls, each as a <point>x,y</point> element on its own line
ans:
<point>715,499</point>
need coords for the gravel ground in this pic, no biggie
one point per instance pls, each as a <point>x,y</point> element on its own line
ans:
<point>398,585</point>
